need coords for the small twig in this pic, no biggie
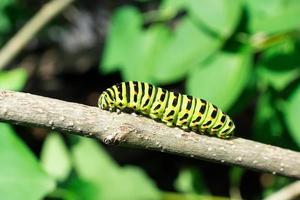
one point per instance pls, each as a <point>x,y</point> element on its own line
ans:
<point>17,43</point>
<point>290,192</point>
<point>136,131</point>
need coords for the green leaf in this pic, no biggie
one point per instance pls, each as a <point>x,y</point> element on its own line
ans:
<point>78,189</point>
<point>224,18</point>
<point>221,22</point>
<point>221,79</point>
<point>135,50</point>
<point>273,16</point>
<point>5,3</point>
<point>235,176</point>
<point>266,119</point>
<point>190,181</point>
<point>292,115</point>
<point>279,65</point>
<point>149,55</point>
<point>188,46</point>
<point>268,124</point>
<point>55,157</point>
<point>180,196</point>
<point>170,8</point>
<point>141,186</point>
<point>5,24</point>
<point>21,176</point>
<point>14,79</point>
<point>275,184</point>
<point>124,30</point>
<point>276,78</point>
<point>149,46</point>
<point>94,165</point>
<point>284,56</point>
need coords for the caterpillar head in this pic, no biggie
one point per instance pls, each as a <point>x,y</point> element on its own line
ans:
<point>105,102</point>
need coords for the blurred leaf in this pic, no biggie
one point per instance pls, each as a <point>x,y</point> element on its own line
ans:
<point>178,196</point>
<point>184,182</point>
<point>124,30</point>
<point>276,78</point>
<point>279,65</point>
<point>221,22</point>
<point>188,46</point>
<point>55,157</point>
<point>221,79</point>
<point>283,56</point>
<point>14,79</point>
<point>266,119</point>
<point>190,181</point>
<point>170,8</point>
<point>94,165</point>
<point>77,189</point>
<point>150,55</point>
<point>21,176</point>
<point>277,184</point>
<point>148,47</point>
<point>135,50</point>
<point>224,18</point>
<point>273,16</point>
<point>236,174</point>
<point>87,151</point>
<point>268,124</point>
<point>292,115</point>
<point>141,186</point>
<point>5,3</point>
<point>5,23</point>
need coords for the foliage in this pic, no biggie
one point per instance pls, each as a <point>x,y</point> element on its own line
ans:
<point>92,166</point>
<point>189,180</point>
<point>55,157</point>
<point>5,22</point>
<point>14,79</point>
<point>20,170</point>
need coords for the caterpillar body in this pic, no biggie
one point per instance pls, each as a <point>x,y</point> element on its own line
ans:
<point>173,109</point>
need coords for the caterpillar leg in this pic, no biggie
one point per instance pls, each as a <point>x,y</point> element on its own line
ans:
<point>134,114</point>
<point>170,124</point>
<point>112,109</point>
<point>186,128</point>
<point>118,111</point>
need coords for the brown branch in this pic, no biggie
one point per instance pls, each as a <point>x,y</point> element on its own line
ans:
<point>136,131</point>
<point>16,44</point>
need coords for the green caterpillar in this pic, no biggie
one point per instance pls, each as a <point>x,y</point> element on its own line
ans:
<point>184,111</point>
